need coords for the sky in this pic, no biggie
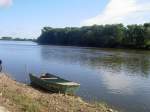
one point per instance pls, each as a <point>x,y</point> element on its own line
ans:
<point>26,18</point>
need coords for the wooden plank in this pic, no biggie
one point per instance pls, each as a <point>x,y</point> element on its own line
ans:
<point>69,84</point>
<point>53,78</point>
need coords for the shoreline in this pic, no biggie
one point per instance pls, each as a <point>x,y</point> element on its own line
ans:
<point>86,47</point>
<point>19,97</point>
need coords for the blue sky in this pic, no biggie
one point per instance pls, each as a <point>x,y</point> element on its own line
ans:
<point>25,18</point>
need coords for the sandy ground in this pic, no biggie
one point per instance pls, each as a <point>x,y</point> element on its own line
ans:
<point>2,109</point>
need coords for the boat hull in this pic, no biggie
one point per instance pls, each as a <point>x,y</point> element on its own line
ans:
<point>52,87</point>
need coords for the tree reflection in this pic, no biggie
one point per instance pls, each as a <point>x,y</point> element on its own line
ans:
<point>131,62</point>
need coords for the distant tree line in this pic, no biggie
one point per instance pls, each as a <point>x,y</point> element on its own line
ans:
<point>16,39</point>
<point>6,38</point>
<point>112,36</point>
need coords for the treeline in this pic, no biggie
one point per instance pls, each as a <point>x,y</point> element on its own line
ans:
<point>116,35</point>
<point>16,39</point>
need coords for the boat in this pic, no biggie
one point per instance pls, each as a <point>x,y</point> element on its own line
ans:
<point>54,83</point>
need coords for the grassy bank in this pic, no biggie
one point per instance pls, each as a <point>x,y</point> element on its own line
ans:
<point>17,97</point>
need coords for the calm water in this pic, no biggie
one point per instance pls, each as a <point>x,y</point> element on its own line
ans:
<point>119,77</point>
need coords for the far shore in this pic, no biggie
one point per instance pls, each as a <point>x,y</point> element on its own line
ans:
<point>75,46</point>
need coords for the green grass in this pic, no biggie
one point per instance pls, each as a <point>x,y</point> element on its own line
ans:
<point>24,102</point>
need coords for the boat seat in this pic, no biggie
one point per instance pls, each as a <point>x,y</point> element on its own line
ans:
<point>52,78</point>
<point>69,84</point>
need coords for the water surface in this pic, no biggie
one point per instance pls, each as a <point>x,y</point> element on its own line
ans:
<point>119,77</point>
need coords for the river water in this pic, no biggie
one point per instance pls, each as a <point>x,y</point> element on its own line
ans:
<point>118,77</point>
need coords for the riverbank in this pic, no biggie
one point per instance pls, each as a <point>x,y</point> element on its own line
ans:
<point>18,97</point>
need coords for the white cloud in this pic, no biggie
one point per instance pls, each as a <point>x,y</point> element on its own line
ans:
<point>5,3</point>
<point>122,11</point>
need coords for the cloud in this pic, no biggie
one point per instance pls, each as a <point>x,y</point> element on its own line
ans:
<point>5,3</point>
<point>122,11</point>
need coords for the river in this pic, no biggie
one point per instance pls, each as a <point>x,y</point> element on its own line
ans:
<point>118,77</point>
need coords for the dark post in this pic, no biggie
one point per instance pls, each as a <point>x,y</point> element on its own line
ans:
<point>0,65</point>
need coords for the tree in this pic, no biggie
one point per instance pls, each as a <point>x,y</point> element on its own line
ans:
<point>116,35</point>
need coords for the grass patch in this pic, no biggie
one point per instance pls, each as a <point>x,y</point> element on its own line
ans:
<point>24,102</point>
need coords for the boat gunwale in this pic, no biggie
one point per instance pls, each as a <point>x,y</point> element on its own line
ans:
<point>77,84</point>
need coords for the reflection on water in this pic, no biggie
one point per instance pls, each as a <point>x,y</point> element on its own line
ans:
<point>133,62</point>
<point>118,84</point>
<point>118,77</point>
